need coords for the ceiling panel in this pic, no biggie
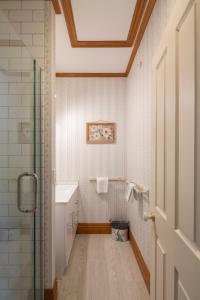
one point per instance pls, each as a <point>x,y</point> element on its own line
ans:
<point>70,59</point>
<point>102,19</point>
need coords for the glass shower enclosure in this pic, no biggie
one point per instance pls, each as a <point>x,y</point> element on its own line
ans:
<point>21,235</point>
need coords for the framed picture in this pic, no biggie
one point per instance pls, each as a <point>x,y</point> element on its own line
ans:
<point>101,133</point>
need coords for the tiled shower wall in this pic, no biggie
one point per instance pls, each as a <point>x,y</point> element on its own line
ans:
<point>30,29</point>
<point>138,116</point>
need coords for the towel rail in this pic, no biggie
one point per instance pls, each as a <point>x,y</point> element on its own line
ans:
<point>110,179</point>
<point>138,188</point>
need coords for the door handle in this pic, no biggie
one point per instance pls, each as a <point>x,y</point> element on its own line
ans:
<point>149,216</point>
<point>19,192</point>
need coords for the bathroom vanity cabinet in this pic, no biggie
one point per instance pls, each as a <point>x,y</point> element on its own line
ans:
<point>66,220</point>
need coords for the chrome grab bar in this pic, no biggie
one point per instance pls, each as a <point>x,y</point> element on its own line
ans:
<point>19,193</point>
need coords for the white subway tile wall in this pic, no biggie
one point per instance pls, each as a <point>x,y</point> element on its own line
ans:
<point>22,25</point>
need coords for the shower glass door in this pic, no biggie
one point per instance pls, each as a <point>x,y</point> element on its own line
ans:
<point>20,174</point>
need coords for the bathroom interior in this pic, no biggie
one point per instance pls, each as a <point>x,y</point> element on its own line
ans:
<point>99,164</point>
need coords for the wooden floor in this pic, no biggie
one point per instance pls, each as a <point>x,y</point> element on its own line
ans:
<point>102,269</point>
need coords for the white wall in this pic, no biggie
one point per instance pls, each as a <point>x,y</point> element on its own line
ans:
<point>138,113</point>
<point>92,99</point>
<point>79,101</point>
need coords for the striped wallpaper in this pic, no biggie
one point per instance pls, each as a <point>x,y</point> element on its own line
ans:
<point>138,112</point>
<point>128,103</point>
<point>81,100</point>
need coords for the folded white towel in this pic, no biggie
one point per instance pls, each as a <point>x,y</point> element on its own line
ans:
<point>102,185</point>
<point>129,191</point>
<point>137,193</point>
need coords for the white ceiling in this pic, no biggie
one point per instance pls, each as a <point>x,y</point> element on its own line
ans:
<point>70,59</point>
<point>103,19</point>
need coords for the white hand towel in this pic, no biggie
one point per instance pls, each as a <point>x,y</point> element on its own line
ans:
<point>129,191</point>
<point>137,193</point>
<point>102,185</point>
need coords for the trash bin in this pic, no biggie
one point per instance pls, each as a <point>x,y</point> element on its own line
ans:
<point>120,231</point>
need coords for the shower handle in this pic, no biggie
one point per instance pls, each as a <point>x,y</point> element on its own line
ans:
<point>19,192</point>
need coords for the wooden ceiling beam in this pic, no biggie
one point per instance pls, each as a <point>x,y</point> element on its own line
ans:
<point>140,34</point>
<point>144,13</point>
<point>70,22</point>
<point>85,74</point>
<point>56,6</point>
<point>136,20</point>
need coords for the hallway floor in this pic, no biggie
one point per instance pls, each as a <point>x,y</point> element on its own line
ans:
<point>102,269</point>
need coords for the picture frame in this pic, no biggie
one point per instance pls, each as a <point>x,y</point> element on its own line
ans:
<point>101,133</point>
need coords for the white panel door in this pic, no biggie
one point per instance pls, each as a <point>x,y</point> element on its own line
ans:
<point>175,196</point>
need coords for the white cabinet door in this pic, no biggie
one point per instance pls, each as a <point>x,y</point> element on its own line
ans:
<point>175,194</point>
<point>68,226</point>
<point>75,214</point>
<point>60,239</point>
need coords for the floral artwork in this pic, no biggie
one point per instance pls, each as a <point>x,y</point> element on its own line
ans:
<point>100,133</point>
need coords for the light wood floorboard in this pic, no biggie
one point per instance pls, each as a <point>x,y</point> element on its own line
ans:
<point>102,269</point>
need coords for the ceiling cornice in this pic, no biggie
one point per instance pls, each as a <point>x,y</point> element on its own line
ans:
<point>75,43</point>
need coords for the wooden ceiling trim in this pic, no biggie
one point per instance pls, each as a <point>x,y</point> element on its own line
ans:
<point>69,19</point>
<point>56,7</point>
<point>137,17</point>
<point>100,44</point>
<point>143,25</point>
<point>140,34</point>
<point>68,74</point>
